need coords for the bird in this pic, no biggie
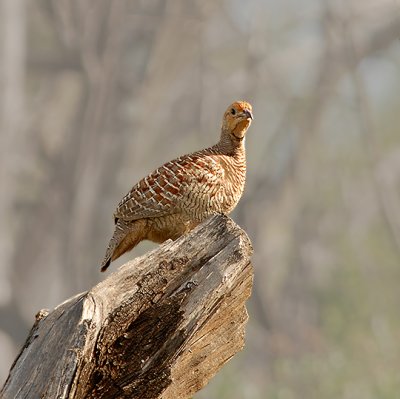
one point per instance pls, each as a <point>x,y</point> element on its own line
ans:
<point>182,193</point>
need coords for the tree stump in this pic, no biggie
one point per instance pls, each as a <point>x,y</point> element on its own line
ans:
<point>159,327</point>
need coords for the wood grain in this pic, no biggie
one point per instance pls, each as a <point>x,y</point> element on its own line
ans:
<point>159,327</point>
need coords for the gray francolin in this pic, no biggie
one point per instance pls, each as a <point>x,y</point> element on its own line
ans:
<point>182,193</point>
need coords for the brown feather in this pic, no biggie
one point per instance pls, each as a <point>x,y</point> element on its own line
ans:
<point>181,193</point>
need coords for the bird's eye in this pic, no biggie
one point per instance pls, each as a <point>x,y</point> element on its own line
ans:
<point>233,112</point>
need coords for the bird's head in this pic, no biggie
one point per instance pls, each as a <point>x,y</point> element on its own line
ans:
<point>237,119</point>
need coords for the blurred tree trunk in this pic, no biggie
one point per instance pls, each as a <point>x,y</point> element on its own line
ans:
<point>12,84</point>
<point>13,156</point>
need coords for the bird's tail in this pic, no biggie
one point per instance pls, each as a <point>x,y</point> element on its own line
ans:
<point>126,236</point>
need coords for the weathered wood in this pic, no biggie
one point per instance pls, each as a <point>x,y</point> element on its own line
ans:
<point>159,327</point>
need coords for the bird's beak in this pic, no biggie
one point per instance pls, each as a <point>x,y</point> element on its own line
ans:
<point>248,114</point>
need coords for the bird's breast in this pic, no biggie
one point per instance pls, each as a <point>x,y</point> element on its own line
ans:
<point>235,178</point>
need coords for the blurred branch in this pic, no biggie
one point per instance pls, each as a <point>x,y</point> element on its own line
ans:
<point>280,195</point>
<point>390,213</point>
<point>92,151</point>
<point>330,71</point>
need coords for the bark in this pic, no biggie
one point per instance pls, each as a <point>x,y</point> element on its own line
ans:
<point>159,327</point>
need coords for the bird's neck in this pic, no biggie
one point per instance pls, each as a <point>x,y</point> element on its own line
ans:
<point>231,145</point>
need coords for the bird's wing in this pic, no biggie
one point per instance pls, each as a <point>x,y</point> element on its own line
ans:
<point>173,188</point>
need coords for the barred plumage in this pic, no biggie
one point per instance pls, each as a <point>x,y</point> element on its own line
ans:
<point>182,193</point>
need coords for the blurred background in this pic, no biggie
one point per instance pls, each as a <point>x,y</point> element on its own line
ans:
<point>95,94</point>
